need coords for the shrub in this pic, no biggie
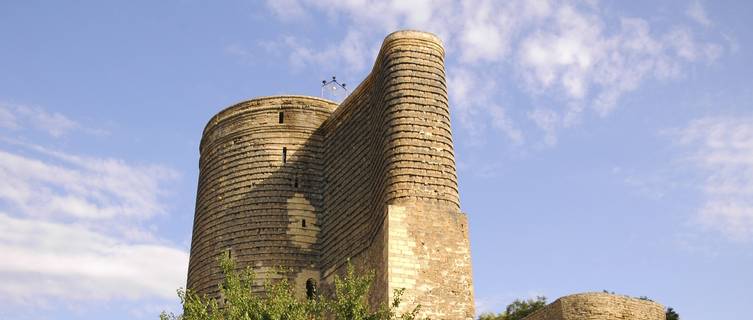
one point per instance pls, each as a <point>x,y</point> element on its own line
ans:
<point>350,300</point>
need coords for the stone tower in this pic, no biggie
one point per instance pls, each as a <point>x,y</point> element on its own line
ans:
<point>307,184</point>
<point>260,189</point>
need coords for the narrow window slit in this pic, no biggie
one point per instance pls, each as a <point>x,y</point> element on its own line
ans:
<point>281,116</point>
<point>303,223</point>
<point>284,155</point>
<point>310,289</point>
<point>295,183</point>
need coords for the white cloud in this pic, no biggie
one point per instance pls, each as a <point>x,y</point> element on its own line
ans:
<point>354,53</point>
<point>237,50</point>
<point>19,116</point>
<point>7,118</point>
<point>576,57</point>
<point>722,150</point>
<point>470,95</point>
<point>696,12</point>
<point>45,259</point>
<point>486,29</point>
<point>548,121</point>
<point>568,52</point>
<point>501,121</point>
<point>681,40</point>
<point>71,228</point>
<point>68,186</point>
<point>463,97</point>
<point>387,16</point>
<point>350,55</point>
<point>562,57</point>
<point>286,9</point>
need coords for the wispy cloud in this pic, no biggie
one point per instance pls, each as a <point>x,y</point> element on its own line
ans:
<point>577,61</point>
<point>7,118</point>
<point>286,9</point>
<point>721,149</point>
<point>71,262</point>
<point>696,12</point>
<point>568,53</point>
<point>472,99</point>
<point>350,56</point>
<point>53,123</point>
<point>71,225</point>
<point>237,50</point>
<point>23,117</point>
<point>547,120</point>
<point>59,185</point>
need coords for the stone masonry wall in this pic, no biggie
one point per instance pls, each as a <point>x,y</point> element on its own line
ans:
<point>389,158</point>
<point>599,306</point>
<point>374,179</point>
<point>252,202</point>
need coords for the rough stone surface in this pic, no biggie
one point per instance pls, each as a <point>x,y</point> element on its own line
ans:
<point>599,306</point>
<point>373,178</point>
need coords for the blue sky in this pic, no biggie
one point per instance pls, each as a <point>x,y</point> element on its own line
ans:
<point>600,144</point>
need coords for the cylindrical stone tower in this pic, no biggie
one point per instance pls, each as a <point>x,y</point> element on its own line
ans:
<point>260,191</point>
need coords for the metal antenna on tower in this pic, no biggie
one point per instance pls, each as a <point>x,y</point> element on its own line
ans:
<point>336,90</point>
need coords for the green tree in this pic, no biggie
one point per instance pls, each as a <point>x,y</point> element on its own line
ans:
<point>517,310</point>
<point>671,314</point>
<point>280,302</point>
<point>351,299</point>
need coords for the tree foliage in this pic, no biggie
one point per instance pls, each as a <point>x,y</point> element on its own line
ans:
<point>517,310</point>
<point>671,314</point>
<point>280,302</point>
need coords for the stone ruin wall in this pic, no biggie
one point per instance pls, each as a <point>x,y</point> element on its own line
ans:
<point>599,306</point>
<point>374,178</point>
